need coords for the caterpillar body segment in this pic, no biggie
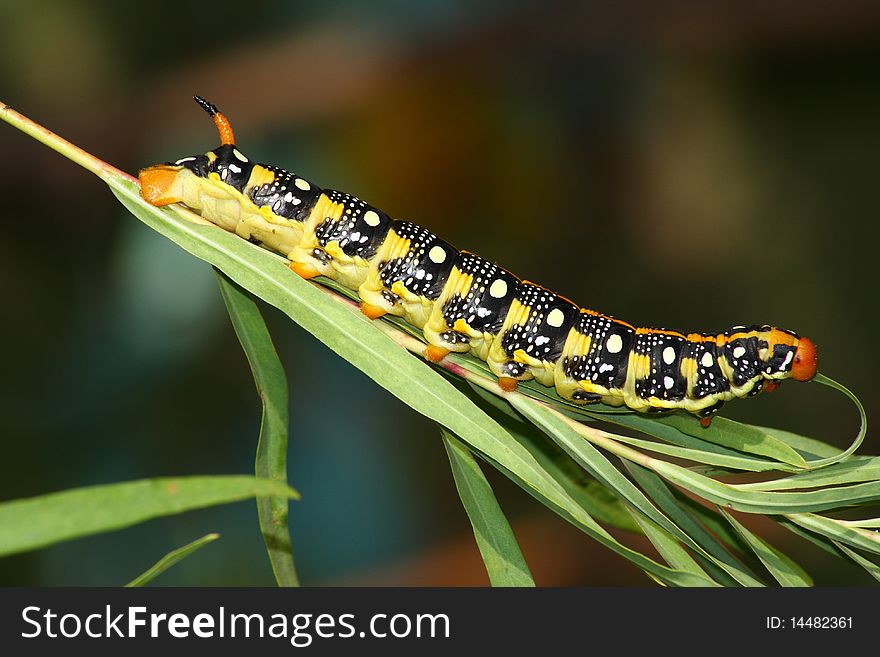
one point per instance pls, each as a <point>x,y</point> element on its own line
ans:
<point>464,303</point>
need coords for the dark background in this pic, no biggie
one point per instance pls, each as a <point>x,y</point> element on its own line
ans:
<point>684,164</point>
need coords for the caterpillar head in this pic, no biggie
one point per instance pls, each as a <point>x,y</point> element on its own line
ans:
<point>162,184</point>
<point>790,355</point>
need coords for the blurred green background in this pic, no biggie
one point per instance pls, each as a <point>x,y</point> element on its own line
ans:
<point>680,164</point>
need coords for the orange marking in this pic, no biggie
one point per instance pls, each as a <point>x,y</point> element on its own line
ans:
<point>371,311</point>
<point>705,421</point>
<point>507,384</point>
<point>435,354</point>
<point>156,182</point>
<point>806,360</point>
<point>770,386</point>
<point>653,331</point>
<point>227,138</point>
<point>304,270</point>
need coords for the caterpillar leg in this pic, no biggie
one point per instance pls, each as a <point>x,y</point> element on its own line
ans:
<point>304,270</point>
<point>507,384</point>
<point>510,373</point>
<point>441,338</point>
<point>371,311</point>
<point>435,354</point>
<point>708,413</point>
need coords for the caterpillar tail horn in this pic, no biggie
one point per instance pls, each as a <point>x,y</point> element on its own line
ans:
<point>227,138</point>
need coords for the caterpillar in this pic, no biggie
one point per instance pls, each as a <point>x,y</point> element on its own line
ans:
<point>465,303</point>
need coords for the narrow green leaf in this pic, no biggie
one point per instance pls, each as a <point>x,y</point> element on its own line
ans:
<point>819,541</point>
<point>863,422</point>
<point>170,559</point>
<point>36,522</point>
<point>741,437</point>
<point>853,470</point>
<point>864,539</point>
<point>866,522</point>
<point>717,554</point>
<point>783,568</point>
<point>668,546</point>
<point>501,554</point>
<point>271,458</point>
<point>872,568</point>
<point>589,494</point>
<point>600,467</point>
<point>708,457</point>
<point>583,521</point>
<point>808,447</point>
<point>708,518</point>
<point>590,458</point>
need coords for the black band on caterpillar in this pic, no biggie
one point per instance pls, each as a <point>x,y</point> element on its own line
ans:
<point>465,303</point>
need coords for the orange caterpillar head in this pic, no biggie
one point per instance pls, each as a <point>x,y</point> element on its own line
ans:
<point>806,360</point>
<point>791,355</point>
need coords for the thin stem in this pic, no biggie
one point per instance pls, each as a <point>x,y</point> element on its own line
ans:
<point>60,145</point>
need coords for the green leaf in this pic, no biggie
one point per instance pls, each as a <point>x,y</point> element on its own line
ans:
<point>271,459</point>
<point>713,458</point>
<point>863,422</point>
<point>741,437</point>
<point>836,530</point>
<point>783,569</point>
<point>170,559</point>
<point>806,446</point>
<point>668,546</point>
<point>741,499</point>
<point>717,554</point>
<point>500,551</point>
<point>820,542</point>
<point>855,469</point>
<point>600,467</point>
<point>588,457</point>
<point>36,522</point>
<point>590,495</point>
<point>872,568</point>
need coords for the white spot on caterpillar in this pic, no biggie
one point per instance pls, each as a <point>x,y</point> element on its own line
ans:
<point>541,340</point>
<point>238,154</point>
<point>302,184</point>
<point>437,255</point>
<point>614,344</point>
<point>556,318</point>
<point>371,218</point>
<point>185,159</point>
<point>706,360</point>
<point>498,289</point>
<point>355,236</point>
<point>234,168</point>
<point>668,382</point>
<point>739,352</point>
<point>669,356</point>
<point>787,360</point>
<point>605,367</point>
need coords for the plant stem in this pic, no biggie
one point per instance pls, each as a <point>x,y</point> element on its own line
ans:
<point>57,143</point>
